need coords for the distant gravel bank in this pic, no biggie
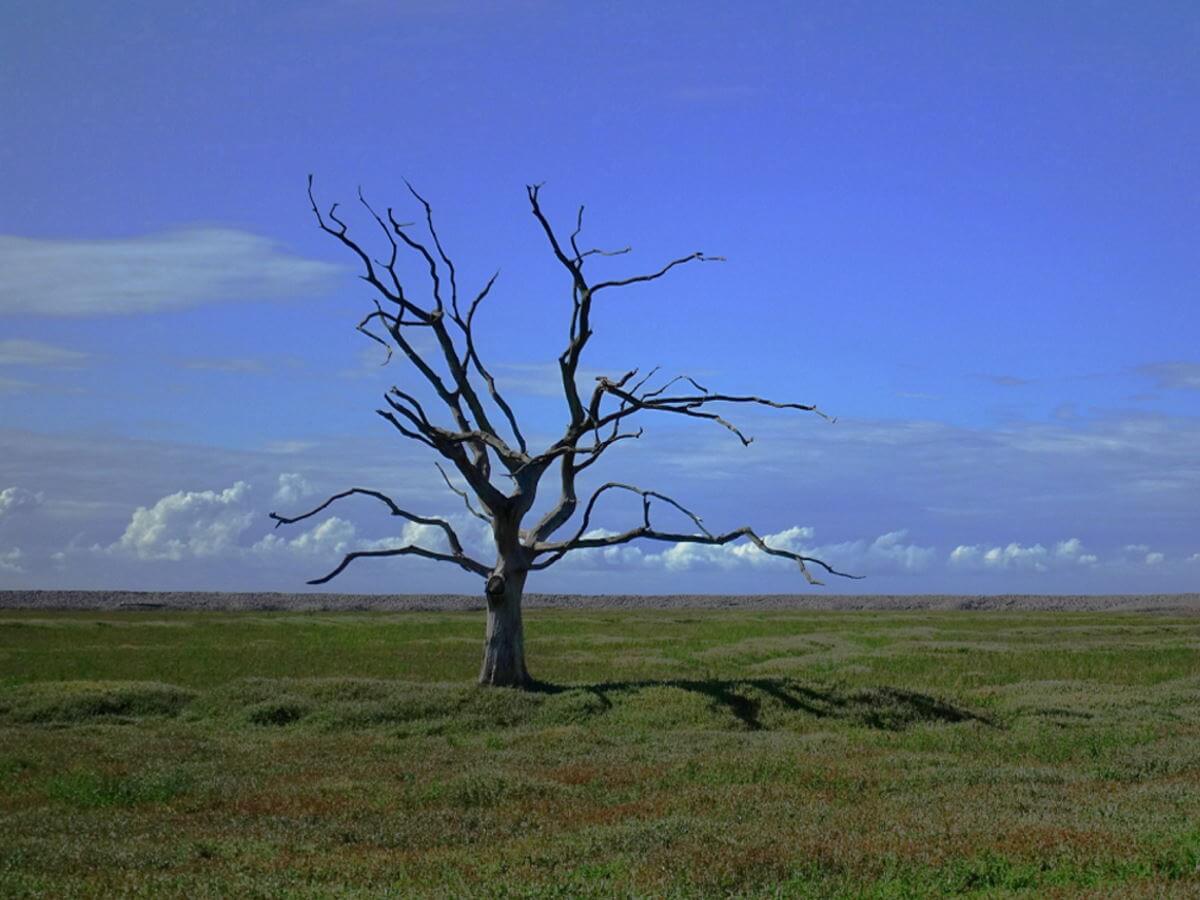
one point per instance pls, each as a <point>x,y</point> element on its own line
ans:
<point>184,600</point>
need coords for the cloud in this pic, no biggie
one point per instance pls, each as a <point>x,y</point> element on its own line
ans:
<point>187,524</point>
<point>15,386</point>
<point>887,553</point>
<point>1067,554</point>
<point>192,525</point>
<point>1013,556</point>
<point>1142,554</point>
<point>150,273</point>
<point>239,366</point>
<point>335,537</point>
<point>1173,375</point>
<point>10,560</point>
<point>331,537</point>
<point>19,352</point>
<point>288,447</point>
<point>684,556</point>
<point>292,486</point>
<point>1004,380</point>
<point>1082,490</point>
<point>13,499</point>
<point>1072,550</point>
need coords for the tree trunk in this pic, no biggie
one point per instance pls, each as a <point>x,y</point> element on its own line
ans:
<point>504,649</point>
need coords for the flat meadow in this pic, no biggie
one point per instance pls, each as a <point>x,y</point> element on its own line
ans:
<point>664,753</point>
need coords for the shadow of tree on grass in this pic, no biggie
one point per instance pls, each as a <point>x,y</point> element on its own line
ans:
<point>758,703</point>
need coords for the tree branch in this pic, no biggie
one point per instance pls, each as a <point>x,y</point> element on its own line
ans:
<point>456,555</point>
<point>466,498</point>
<point>473,356</point>
<point>393,509</point>
<point>637,279</point>
<point>470,565</point>
<point>646,531</point>
<point>690,405</point>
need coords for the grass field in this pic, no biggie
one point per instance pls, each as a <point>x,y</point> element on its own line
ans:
<point>667,753</point>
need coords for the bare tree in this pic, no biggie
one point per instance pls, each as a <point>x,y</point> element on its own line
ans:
<point>471,441</point>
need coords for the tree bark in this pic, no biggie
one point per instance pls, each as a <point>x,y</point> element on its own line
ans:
<point>504,648</point>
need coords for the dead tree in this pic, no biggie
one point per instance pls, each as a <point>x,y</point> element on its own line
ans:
<point>472,442</point>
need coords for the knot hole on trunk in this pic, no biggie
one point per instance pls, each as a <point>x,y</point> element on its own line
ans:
<point>495,588</point>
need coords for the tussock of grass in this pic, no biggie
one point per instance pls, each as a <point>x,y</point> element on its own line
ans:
<point>65,703</point>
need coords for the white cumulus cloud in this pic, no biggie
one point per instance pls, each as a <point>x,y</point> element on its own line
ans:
<point>331,537</point>
<point>1013,556</point>
<point>10,560</point>
<point>1143,554</point>
<point>1019,557</point>
<point>292,487</point>
<point>887,553</point>
<point>190,525</point>
<point>1072,550</point>
<point>13,499</point>
<point>187,524</point>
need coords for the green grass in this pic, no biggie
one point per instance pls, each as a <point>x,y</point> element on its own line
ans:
<point>672,753</point>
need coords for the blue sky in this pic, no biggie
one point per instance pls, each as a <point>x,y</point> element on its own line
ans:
<point>967,230</point>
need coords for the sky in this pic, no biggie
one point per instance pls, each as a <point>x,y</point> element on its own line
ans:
<point>968,231</point>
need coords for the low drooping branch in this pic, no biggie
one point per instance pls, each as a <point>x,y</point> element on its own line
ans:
<point>556,550</point>
<point>476,568</point>
<point>456,555</point>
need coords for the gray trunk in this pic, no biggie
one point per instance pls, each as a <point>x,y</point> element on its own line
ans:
<point>504,649</point>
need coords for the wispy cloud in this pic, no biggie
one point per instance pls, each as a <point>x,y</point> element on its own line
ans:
<point>16,386</point>
<point>1004,380</point>
<point>235,365</point>
<point>152,273</point>
<point>18,352</point>
<point>1173,375</point>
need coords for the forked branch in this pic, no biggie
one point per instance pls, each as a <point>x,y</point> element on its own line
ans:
<point>456,555</point>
